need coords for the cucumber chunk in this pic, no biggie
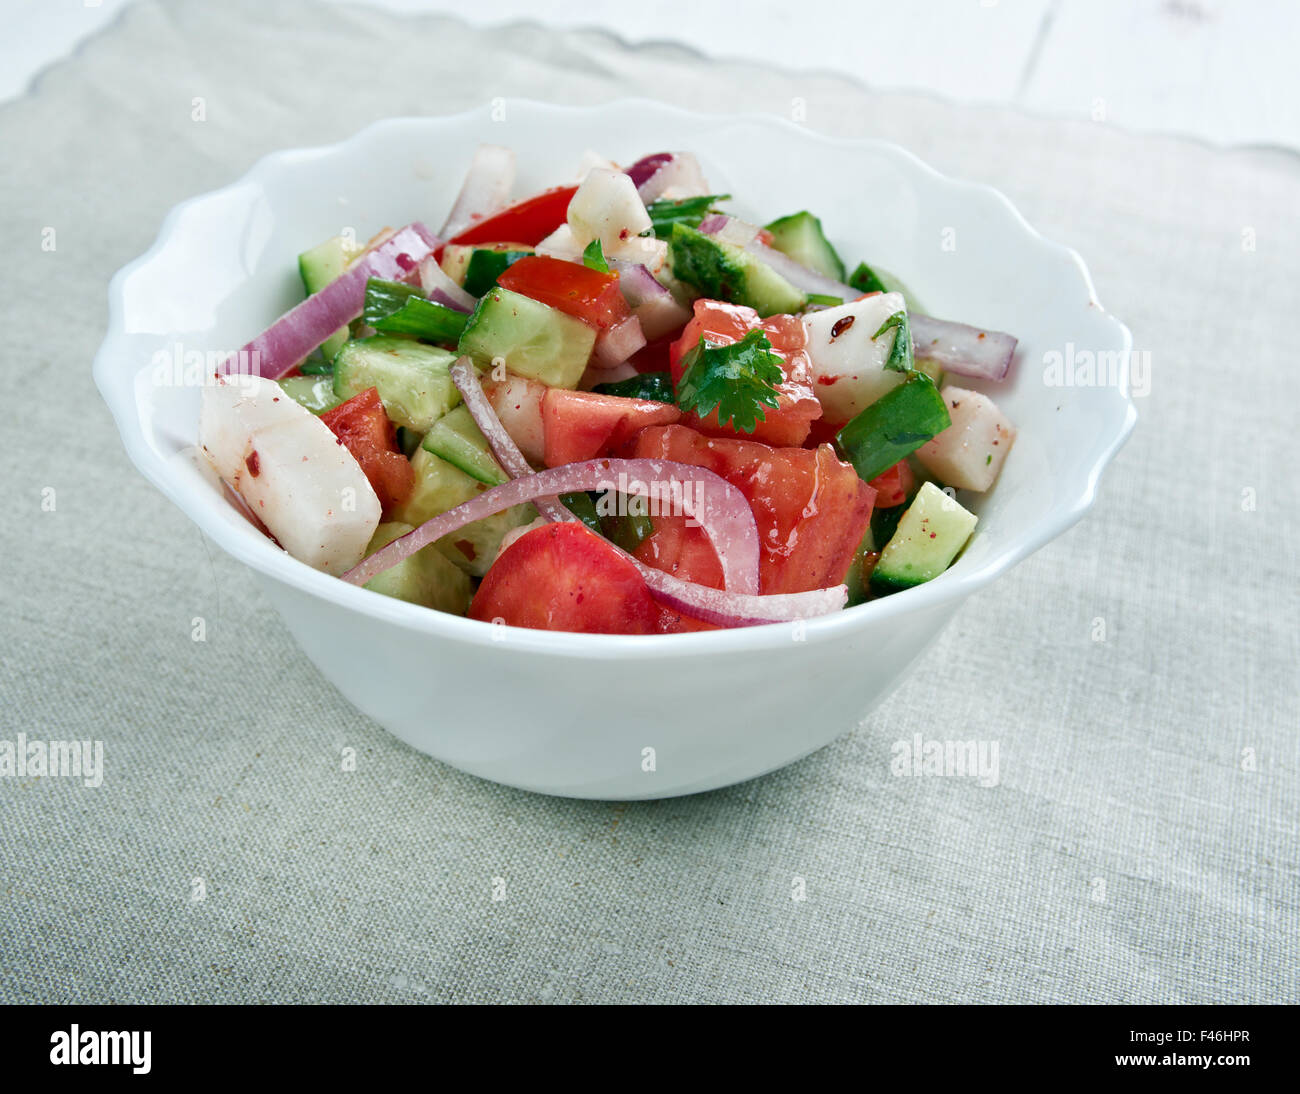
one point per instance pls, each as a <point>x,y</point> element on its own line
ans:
<point>894,426</point>
<point>722,271</point>
<point>414,380</point>
<point>427,577</point>
<point>321,265</point>
<point>534,340</point>
<point>485,266</point>
<point>801,237</point>
<point>316,393</point>
<point>456,439</point>
<point>932,531</point>
<point>655,386</point>
<point>440,486</point>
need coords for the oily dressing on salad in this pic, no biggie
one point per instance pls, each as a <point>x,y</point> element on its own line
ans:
<point>610,407</point>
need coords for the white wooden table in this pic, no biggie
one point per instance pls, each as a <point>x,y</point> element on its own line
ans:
<point>1213,69</point>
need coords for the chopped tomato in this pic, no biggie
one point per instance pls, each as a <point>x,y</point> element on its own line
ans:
<point>529,221</point>
<point>655,356</point>
<point>570,287</point>
<point>810,507</point>
<point>893,486</point>
<point>362,425</point>
<point>581,425</point>
<point>789,422</point>
<point>564,577</point>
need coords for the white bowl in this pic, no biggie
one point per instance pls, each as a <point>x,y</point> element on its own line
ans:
<point>575,714</point>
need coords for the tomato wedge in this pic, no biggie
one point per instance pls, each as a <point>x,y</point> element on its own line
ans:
<point>797,408</point>
<point>363,426</point>
<point>529,221</point>
<point>570,287</point>
<point>893,486</point>
<point>810,507</point>
<point>581,425</point>
<point>564,577</point>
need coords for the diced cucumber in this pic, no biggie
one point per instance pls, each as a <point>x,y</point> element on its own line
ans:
<point>440,486</point>
<point>894,426</point>
<point>866,279</point>
<point>485,266</point>
<point>321,265</point>
<point>581,506</point>
<point>932,531</point>
<point>657,386</point>
<point>316,393</point>
<point>414,380</point>
<point>427,577</point>
<point>534,340</point>
<point>456,439</point>
<point>801,237</point>
<point>855,580</point>
<point>455,260</point>
<point>396,308</point>
<point>722,271</point>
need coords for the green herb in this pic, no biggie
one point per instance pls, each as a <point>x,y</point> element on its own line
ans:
<point>822,298</point>
<point>688,211</point>
<point>900,355</point>
<point>583,506</point>
<point>594,257</point>
<point>738,378</point>
<point>864,279</point>
<point>396,308</point>
<point>648,385</point>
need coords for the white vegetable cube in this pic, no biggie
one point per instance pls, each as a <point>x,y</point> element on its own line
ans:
<point>607,207</point>
<point>848,363</point>
<point>562,244</point>
<point>291,471</point>
<point>518,404</point>
<point>970,452</point>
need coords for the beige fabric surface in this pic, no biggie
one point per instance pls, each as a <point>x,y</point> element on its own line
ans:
<point>1141,844</point>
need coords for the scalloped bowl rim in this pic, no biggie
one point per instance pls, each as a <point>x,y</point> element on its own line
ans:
<point>265,557</point>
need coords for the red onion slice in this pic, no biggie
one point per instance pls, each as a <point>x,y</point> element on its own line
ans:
<point>647,167</point>
<point>636,282</point>
<point>618,343</point>
<point>959,348</point>
<point>719,508</point>
<point>723,608</point>
<point>657,174</point>
<point>441,289</point>
<point>288,341</point>
<point>486,188</point>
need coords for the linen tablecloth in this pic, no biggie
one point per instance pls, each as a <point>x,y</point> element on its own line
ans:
<point>1139,674</point>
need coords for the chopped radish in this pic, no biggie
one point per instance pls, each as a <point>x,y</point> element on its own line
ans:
<point>969,453</point>
<point>291,471</point>
<point>518,404</point>
<point>607,207</point>
<point>848,363</point>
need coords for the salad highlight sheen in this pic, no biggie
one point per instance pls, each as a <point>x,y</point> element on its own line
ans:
<point>611,407</point>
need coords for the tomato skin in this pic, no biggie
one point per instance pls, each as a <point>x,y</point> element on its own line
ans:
<point>529,221</point>
<point>581,425</point>
<point>564,577</point>
<point>811,510</point>
<point>788,424</point>
<point>574,289</point>
<point>363,426</point>
<point>893,486</point>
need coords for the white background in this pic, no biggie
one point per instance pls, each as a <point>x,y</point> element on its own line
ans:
<point>1222,71</point>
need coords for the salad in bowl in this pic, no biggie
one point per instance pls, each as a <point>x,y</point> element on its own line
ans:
<point>610,407</point>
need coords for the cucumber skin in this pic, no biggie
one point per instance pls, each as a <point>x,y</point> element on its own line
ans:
<point>536,341</point>
<point>801,236</point>
<point>894,426</point>
<point>317,268</point>
<point>723,272</point>
<point>414,380</point>
<point>949,528</point>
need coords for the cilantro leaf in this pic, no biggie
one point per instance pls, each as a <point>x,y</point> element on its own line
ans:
<point>865,279</point>
<point>738,378</point>
<point>688,211</point>
<point>594,257</point>
<point>900,356</point>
